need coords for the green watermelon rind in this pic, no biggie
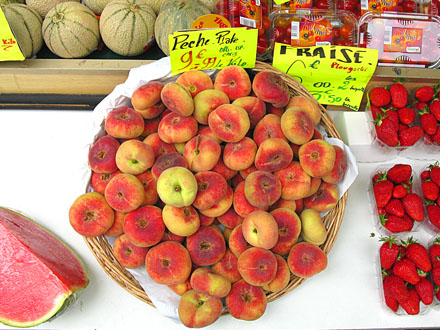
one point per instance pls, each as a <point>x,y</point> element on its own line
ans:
<point>66,300</point>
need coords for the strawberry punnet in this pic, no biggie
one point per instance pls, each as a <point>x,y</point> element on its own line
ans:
<point>400,173</point>
<point>399,95</point>
<point>418,254</point>
<point>413,205</point>
<point>425,94</point>
<point>380,96</point>
<point>388,252</point>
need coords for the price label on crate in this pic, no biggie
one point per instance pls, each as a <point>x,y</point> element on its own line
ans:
<point>334,75</point>
<point>212,49</point>
<point>9,49</point>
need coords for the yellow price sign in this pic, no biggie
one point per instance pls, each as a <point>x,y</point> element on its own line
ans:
<point>9,49</point>
<point>334,75</point>
<point>212,49</point>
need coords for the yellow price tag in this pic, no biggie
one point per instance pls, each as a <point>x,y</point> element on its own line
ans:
<point>9,49</point>
<point>334,75</point>
<point>210,21</point>
<point>280,2</point>
<point>212,49</point>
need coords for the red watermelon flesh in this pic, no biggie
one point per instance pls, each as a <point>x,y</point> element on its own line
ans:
<point>38,272</point>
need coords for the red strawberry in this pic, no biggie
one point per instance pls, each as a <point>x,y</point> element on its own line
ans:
<point>413,205</point>
<point>434,253</point>
<point>406,115</point>
<point>393,117</point>
<point>436,276</point>
<point>434,108</point>
<point>434,214</point>
<point>425,175</point>
<point>424,94</point>
<point>394,287</point>
<point>395,207</point>
<point>400,191</point>
<point>388,252</point>
<point>396,224</point>
<point>399,95</point>
<point>399,173</point>
<point>383,190</point>
<point>435,174</point>
<point>379,96</point>
<point>412,304</point>
<point>428,123</point>
<point>376,112</point>
<point>436,136</point>
<point>425,291</point>
<point>406,270</point>
<point>418,254</point>
<point>379,176</point>
<point>409,136</point>
<point>421,105</point>
<point>392,303</point>
<point>387,133</point>
<point>430,190</point>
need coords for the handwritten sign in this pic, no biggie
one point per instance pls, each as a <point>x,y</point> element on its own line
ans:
<point>210,21</point>
<point>9,49</point>
<point>334,75</point>
<point>212,49</point>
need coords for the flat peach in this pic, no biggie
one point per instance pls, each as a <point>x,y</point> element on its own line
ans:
<point>206,247</point>
<point>195,81</point>
<point>244,173</point>
<point>205,130</point>
<point>268,127</point>
<point>223,170</point>
<point>207,281</point>
<point>222,206</point>
<point>229,122</point>
<point>124,193</point>
<point>182,221</point>
<point>150,126</point>
<point>257,266</point>
<point>100,180</point>
<point>260,229</point>
<point>128,254</point>
<point>255,108</point>
<point>317,158</point>
<point>271,88</point>
<point>246,301</point>
<point>144,226</point>
<point>168,263</point>
<point>134,157</point>
<point>297,125</point>
<point>177,98</point>
<point>205,220</point>
<point>181,288</point>
<point>207,101</point>
<point>314,186</point>
<point>312,227</point>
<point>227,267</point>
<point>289,229</point>
<point>284,203</point>
<point>124,122</point>
<point>306,260</point>
<point>212,188</point>
<point>240,203</point>
<point>240,155</point>
<point>171,159</point>
<point>149,183</point>
<point>234,81</point>
<point>324,199</point>
<point>273,155</point>
<point>117,227</point>
<point>262,189</point>
<point>282,277</point>
<point>197,309</point>
<point>174,128</point>
<point>169,236</point>
<point>295,182</point>
<point>237,243</point>
<point>159,147</point>
<point>339,167</point>
<point>102,155</point>
<point>146,100</point>
<point>230,219</point>
<point>274,110</point>
<point>201,153</point>
<point>309,105</point>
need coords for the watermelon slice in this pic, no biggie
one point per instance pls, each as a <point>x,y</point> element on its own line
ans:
<point>39,274</point>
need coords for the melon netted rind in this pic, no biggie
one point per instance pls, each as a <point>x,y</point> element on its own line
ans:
<point>97,6</point>
<point>25,23</point>
<point>71,30</point>
<point>127,26</point>
<point>43,6</point>
<point>176,15</point>
<point>156,4</point>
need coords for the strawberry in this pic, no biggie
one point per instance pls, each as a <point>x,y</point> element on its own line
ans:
<point>395,207</point>
<point>376,112</point>
<point>421,105</point>
<point>410,136</point>
<point>393,116</point>
<point>394,287</point>
<point>412,304</point>
<point>430,190</point>
<point>434,214</point>
<point>388,252</point>
<point>406,115</point>
<point>399,95</point>
<point>392,303</point>
<point>400,191</point>
<point>413,205</point>
<point>383,190</point>
<point>436,136</point>
<point>434,108</point>
<point>418,254</point>
<point>425,291</point>
<point>424,94</point>
<point>396,224</point>
<point>406,270</point>
<point>436,276</point>
<point>379,176</point>
<point>428,123</point>
<point>399,173</point>
<point>434,253</point>
<point>387,133</point>
<point>425,175</point>
<point>435,174</point>
<point>379,96</point>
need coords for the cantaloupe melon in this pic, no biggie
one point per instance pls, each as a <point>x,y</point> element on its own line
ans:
<point>97,6</point>
<point>25,23</point>
<point>6,2</point>
<point>71,30</point>
<point>176,15</point>
<point>127,26</point>
<point>210,4</point>
<point>156,4</point>
<point>43,6</point>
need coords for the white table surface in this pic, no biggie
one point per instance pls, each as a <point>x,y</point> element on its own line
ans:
<point>41,155</point>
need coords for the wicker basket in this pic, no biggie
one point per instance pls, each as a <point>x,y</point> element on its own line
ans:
<point>102,250</point>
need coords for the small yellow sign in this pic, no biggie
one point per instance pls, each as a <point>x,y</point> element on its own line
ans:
<point>9,49</point>
<point>280,2</point>
<point>210,21</point>
<point>334,75</point>
<point>212,49</point>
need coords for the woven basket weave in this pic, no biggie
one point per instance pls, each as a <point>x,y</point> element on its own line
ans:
<point>102,250</point>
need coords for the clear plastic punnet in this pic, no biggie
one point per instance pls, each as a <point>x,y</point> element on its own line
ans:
<point>402,39</point>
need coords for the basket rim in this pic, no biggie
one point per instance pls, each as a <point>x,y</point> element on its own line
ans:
<point>102,250</point>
